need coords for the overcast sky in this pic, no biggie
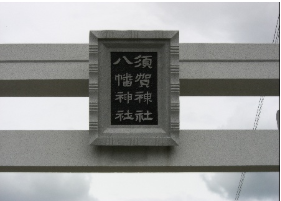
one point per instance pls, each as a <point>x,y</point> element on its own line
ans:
<point>197,23</point>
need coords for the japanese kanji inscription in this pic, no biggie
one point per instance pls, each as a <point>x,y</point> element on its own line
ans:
<point>134,88</point>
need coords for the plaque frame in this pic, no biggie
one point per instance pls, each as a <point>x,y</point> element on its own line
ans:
<point>166,44</point>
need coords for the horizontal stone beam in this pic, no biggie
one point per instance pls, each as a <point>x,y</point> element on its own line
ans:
<point>188,87</point>
<point>188,52</point>
<point>229,87</point>
<point>61,70</point>
<point>198,151</point>
<point>188,70</point>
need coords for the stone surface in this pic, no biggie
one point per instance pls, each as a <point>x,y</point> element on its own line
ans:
<point>61,70</point>
<point>188,52</point>
<point>229,52</point>
<point>278,119</point>
<point>199,151</point>
<point>123,65</point>
<point>44,52</point>
<point>244,67</point>
<point>229,70</point>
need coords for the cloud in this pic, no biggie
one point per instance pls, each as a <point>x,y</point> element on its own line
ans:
<point>55,113</point>
<point>44,187</point>
<point>219,22</point>
<point>259,185</point>
<point>151,187</point>
<point>197,22</point>
<point>227,113</point>
<point>239,119</point>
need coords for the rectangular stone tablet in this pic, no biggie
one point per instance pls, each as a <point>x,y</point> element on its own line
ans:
<point>134,88</point>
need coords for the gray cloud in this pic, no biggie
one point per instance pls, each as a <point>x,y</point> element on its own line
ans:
<point>44,187</point>
<point>259,185</point>
<point>197,22</point>
<point>244,116</point>
<point>227,113</point>
<point>220,22</point>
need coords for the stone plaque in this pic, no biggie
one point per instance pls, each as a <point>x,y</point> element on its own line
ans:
<point>134,88</point>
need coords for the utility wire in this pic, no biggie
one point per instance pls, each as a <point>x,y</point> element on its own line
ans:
<point>277,31</point>
<point>256,123</point>
<point>240,185</point>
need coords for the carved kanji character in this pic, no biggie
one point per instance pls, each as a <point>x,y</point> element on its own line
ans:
<point>121,96</point>
<point>143,79</point>
<point>143,61</point>
<point>125,79</point>
<point>141,116</point>
<point>125,58</point>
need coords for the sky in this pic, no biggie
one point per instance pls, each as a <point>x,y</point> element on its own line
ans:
<point>197,23</point>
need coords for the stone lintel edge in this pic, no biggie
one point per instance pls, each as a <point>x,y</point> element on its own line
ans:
<point>137,169</point>
<point>134,34</point>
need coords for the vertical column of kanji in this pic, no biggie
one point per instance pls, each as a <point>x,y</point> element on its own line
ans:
<point>175,86</point>
<point>93,87</point>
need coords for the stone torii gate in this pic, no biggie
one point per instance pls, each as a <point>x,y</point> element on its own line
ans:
<point>61,70</point>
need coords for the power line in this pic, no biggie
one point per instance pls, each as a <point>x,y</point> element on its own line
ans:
<point>240,185</point>
<point>256,123</point>
<point>276,32</point>
<point>258,113</point>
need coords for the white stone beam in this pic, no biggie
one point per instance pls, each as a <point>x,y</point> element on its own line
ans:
<point>198,151</point>
<point>205,70</point>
